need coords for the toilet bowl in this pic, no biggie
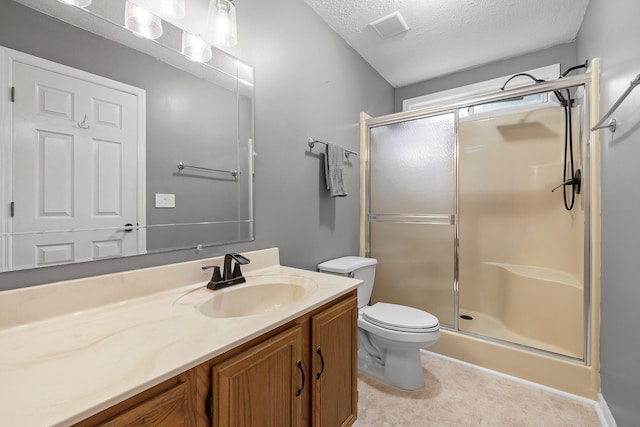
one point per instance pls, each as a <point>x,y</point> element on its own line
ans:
<point>390,336</point>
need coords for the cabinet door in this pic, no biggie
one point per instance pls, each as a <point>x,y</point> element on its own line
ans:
<point>335,365</point>
<point>262,385</point>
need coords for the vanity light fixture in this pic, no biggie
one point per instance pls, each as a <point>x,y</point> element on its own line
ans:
<point>221,22</point>
<point>77,3</point>
<point>194,48</point>
<point>141,22</point>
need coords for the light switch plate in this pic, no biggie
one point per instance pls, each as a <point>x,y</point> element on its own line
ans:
<point>165,200</point>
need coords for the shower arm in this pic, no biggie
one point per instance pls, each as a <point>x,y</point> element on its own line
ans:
<point>557,93</point>
<point>520,75</point>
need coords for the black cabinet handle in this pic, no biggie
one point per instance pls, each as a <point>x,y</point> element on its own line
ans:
<point>208,404</point>
<point>299,391</point>
<point>321,361</point>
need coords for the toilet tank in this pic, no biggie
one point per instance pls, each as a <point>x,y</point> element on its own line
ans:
<point>356,267</point>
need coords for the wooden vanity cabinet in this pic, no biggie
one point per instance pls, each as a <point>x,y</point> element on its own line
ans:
<point>335,365</point>
<point>303,373</point>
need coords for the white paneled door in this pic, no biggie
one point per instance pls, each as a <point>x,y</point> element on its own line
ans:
<point>76,159</point>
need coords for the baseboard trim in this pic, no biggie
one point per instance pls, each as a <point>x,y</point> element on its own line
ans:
<point>604,413</point>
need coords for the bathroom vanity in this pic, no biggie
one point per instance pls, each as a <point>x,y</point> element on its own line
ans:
<point>139,350</point>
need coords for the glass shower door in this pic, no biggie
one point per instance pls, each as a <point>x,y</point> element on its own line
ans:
<point>412,213</point>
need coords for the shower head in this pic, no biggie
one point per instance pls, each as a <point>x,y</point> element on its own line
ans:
<point>574,180</point>
<point>525,131</point>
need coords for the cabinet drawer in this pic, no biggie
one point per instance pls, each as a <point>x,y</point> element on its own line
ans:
<point>168,408</point>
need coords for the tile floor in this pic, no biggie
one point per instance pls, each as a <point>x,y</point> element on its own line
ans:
<point>458,395</point>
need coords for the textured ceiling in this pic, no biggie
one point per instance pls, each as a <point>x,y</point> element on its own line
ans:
<point>450,35</point>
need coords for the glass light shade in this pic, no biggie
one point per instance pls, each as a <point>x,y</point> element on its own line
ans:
<point>78,3</point>
<point>221,22</point>
<point>194,48</point>
<point>172,8</point>
<point>142,23</point>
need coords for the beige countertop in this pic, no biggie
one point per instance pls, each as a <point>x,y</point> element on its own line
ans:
<point>71,349</point>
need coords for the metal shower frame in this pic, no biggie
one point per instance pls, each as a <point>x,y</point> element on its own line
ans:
<point>452,106</point>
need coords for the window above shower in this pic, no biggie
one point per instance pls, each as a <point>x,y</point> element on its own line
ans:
<point>493,109</point>
<point>508,106</point>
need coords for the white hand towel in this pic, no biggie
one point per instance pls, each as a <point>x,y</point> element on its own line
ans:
<point>333,170</point>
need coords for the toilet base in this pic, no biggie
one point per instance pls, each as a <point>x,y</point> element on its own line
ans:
<point>402,368</point>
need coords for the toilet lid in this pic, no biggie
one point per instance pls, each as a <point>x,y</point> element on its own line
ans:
<point>400,318</point>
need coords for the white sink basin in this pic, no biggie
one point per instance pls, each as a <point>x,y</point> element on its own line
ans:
<point>258,295</point>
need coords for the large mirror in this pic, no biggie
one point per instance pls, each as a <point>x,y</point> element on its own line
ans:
<point>114,145</point>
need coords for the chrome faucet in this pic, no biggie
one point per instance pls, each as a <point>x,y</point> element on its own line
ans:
<point>228,277</point>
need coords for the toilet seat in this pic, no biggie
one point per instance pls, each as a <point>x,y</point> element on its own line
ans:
<point>400,318</point>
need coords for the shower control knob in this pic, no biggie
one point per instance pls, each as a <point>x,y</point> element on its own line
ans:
<point>574,182</point>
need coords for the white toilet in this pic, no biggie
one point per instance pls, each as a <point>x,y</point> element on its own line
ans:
<point>390,336</point>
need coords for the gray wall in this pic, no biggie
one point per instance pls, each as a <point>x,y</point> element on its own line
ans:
<point>612,33</point>
<point>309,82</point>
<point>565,54</point>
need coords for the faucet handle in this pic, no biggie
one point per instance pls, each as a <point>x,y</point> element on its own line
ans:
<point>217,277</point>
<point>240,260</point>
<point>236,271</point>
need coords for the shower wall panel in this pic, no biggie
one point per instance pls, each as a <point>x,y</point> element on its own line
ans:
<point>521,256</point>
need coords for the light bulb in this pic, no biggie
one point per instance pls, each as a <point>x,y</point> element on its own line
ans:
<point>142,23</point>
<point>223,25</point>
<point>194,48</point>
<point>221,22</point>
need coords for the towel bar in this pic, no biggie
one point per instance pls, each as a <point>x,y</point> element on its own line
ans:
<point>313,141</point>
<point>612,124</point>
<point>181,166</point>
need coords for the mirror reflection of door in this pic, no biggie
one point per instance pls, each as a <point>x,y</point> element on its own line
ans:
<point>78,164</point>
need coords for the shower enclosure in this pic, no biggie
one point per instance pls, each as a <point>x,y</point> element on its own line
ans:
<point>460,214</point>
